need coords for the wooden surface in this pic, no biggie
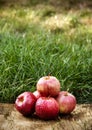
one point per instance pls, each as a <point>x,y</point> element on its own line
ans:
<point>80,119</point>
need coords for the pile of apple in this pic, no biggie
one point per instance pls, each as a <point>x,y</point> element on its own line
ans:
<point>47,102</point>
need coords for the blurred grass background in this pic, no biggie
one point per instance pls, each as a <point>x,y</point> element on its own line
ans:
<point>42,37</point>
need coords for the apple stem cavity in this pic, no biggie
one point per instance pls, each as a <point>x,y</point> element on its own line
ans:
<point>66,94</point>
<point>47,77</point>
<point>21,99</point>
<point>49,74</point>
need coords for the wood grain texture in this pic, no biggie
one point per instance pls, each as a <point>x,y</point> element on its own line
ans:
<point>79,119</point>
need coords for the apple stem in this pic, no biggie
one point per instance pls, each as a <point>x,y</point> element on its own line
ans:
<point>49,74</point>
<point>66,94</point>
<point>47,77</point>
<point>49,96</point>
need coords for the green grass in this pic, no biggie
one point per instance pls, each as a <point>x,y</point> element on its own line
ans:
<point>29,49</point>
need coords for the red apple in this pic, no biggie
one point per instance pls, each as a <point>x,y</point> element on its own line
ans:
<point>48,86</point>
<point>47,108</point>
<point>66,101</point>
<point>37,94</point>
<point>25,103</point>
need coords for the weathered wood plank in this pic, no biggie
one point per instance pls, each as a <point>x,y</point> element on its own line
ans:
<point>80,119</point>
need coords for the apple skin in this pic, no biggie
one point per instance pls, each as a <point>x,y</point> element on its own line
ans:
<point>48,86</point>
<point>37,94</point>
<point>25,103</point>
<point>66,101</point>
<point>47,108</point>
